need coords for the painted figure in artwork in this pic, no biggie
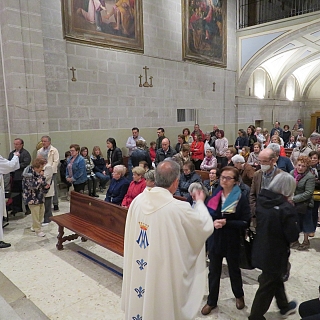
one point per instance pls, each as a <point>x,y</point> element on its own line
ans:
<point>93,15</point>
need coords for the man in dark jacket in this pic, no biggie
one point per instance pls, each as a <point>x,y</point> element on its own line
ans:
<point>283,163</point>
<point>189,176</point>
<point>24,160</point>
<point>277,227</point>
<point>165,152</point>
<point>139,154</point>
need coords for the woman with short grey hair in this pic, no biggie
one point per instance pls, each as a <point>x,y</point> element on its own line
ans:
<point>277,227</point>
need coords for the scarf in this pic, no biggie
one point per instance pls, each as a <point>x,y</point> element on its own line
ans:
<point>231,202</point>
<point>207,161</point>
<point>298,176</point>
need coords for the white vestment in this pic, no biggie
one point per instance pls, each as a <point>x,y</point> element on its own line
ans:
<point>6,166</point>
<point>164,258</point>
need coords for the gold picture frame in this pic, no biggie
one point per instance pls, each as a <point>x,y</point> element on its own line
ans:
<point>108,23</point>
<point>204,32</point>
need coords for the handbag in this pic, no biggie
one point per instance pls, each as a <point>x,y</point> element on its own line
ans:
<point>246,250</point>
<point>302,207</point>
<point>316,195</point>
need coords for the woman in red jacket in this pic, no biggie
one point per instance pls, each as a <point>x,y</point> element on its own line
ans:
<point>136,186</point>
<point>197,151</point>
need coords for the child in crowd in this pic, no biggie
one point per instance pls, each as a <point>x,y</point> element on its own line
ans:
<point>245,152</point>
<point>152,151</point>
<point>34,187</point>
<point>63,167</point>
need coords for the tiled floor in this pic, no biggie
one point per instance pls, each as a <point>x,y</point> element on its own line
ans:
<point>79,282</point>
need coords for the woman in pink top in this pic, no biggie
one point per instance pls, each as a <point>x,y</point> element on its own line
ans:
<point>136,186</point>
<point>221,146</point>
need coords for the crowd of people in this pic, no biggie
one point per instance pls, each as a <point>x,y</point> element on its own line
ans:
<point>252,183</point>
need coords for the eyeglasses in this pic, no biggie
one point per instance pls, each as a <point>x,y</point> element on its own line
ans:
<point>212,173</point>
<point>226,178</point>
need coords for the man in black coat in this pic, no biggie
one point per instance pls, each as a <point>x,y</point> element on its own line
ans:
<point>165,152</point>
<point>139,154</point>
<point>277,227</point>
<point>24,160</point>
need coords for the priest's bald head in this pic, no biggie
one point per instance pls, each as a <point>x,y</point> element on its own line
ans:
<point>167,175</point>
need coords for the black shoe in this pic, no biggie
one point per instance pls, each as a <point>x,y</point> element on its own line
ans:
<point>14,212</point>
<point>55,207</point>
<point>95,195</point>
<point>27,212</point>
<point>4,245</point>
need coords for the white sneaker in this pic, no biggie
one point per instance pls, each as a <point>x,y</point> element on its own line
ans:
<point>32,230</point>
<point>45,224</point>
<point>40,234</point>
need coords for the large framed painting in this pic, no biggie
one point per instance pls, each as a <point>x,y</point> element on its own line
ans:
<point>111,23</point>
<point>204,31</point>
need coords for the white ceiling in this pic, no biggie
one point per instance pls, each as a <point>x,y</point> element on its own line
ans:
<point>284,48</point>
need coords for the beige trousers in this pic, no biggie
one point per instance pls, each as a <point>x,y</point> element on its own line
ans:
<point>37,214</point>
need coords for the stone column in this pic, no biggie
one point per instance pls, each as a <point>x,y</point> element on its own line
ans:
<point>24,71</point>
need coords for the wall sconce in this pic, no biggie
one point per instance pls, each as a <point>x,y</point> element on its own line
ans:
<point>213,86</point>
<point>249,92</point>
<point>146,83</point>
<point>73,77</point>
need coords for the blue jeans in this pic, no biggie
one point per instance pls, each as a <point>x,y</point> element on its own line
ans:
<point>103,179</point>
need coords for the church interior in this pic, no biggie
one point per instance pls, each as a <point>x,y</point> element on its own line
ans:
<point>63,76</point>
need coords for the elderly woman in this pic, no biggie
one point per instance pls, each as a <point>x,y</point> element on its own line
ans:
<point>276,139</point>
<point>276,229</point>
<point>230,212</point>
<point>242,140</point>
<point>150,179</point>
<point>303,199</point>
<point>183,156</point>
<point>246,170</point>
<point>34,188</point>
<point>187,136</point>
<point>229,154</point>
<point>119,185</point>
<point>213,181</point>
<point>210,161</point>
<point>221,146</point>
<point>260,137</point>
<point>136,186</point>
<point>189,176</point>
<point>302,150</point>
<point>91,177</point>
<point>253,158</point>
<point>76,172</point>
<point>197,151</point>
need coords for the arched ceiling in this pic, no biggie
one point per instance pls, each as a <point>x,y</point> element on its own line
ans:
<point>283,48</point>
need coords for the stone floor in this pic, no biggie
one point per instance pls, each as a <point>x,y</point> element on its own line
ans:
<point>84,280</point>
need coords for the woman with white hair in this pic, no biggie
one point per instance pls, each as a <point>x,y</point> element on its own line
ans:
<point>210,161</point>
<point>277,227</point>
<point>246,170</point>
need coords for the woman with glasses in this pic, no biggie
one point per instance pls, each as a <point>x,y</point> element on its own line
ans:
<point>230,212</point>
<point>76,172</point>
<point>119,185</point>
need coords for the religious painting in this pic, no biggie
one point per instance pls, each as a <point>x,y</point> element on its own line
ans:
<point>204,31</point>
<point>111,23</point>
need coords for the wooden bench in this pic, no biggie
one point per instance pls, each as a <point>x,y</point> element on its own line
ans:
<point>204,175</point>
<point>95,220</point>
